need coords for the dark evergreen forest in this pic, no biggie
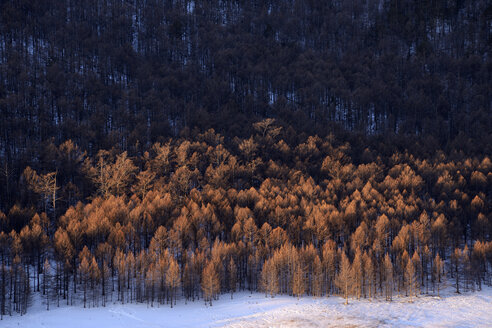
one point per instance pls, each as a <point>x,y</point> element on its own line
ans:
<point>155,150</point>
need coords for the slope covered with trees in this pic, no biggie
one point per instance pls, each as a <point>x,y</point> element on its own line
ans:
<point>157,149</point>
<point>111,72</point>
<point>202,216</point>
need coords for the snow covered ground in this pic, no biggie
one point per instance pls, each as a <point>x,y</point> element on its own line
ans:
<point>254,310</point>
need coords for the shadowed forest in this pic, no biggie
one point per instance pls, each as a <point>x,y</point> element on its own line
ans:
<point>160,150</point>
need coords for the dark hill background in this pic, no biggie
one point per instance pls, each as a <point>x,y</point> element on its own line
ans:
<point>112,72</point>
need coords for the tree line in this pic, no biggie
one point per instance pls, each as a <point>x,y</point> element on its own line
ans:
<point>204,215</point>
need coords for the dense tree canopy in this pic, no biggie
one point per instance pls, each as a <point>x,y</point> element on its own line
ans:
<point>156,150</point>
<point>203,215</point>
<point>126,72</point>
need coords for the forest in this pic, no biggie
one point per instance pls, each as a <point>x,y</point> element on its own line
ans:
<point>203,216</point>
<point>159,150</point>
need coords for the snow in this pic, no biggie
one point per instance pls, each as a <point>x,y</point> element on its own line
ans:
<point>254,310</point>
<point>190,7</point>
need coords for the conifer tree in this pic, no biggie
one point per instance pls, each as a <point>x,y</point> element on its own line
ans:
<point>417,264</point>
<point>317,280</point>
<point>150,280</point>
<point>344,280</point>
<point>298,280</point>
<point>94,274</point>
<point>232,270</point>
<point>358,273</point>
<point>456,259</point>
<point>173,279</point>
<point>369,279</point>
<point>388,277</point>
<point>410,279</point>
<point>269,278</point>
<point>329,265</point>
<point>84,272</point>
<point>438,275</point>
<point>45,185</point>
<point>210,282</point>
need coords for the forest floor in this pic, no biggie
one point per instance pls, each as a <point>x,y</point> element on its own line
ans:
<point>254,310</point>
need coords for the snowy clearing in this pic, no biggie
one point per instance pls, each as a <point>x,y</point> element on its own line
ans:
<point>254,310</point>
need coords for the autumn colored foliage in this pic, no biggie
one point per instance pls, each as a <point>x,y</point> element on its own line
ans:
<point>202,216</point>
<point>159,150</point>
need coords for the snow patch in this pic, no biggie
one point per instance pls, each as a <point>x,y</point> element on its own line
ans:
<point>255,310</point>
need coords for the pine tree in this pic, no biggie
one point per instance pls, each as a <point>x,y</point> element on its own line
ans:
<point>344,280</point>
<point>369,280</point>
<point>84,272</point>
<point>438,275</point>
<point>105,279</point>
<point>358,273</point>
<point>45,185</point>
<point>269,278</point>
<point>173,279</point>
<point>388,277</point>
<point>210,282</point>
<point>456,260</point>
<point>467,269</point>
<point>298,280</point>
<point>329,264</point>
<point>418,271</point>
<point>94,276</point>
<point>317,279</point>
<point>150,281</point>
<point>410,279</point>
<point>232,270</point>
